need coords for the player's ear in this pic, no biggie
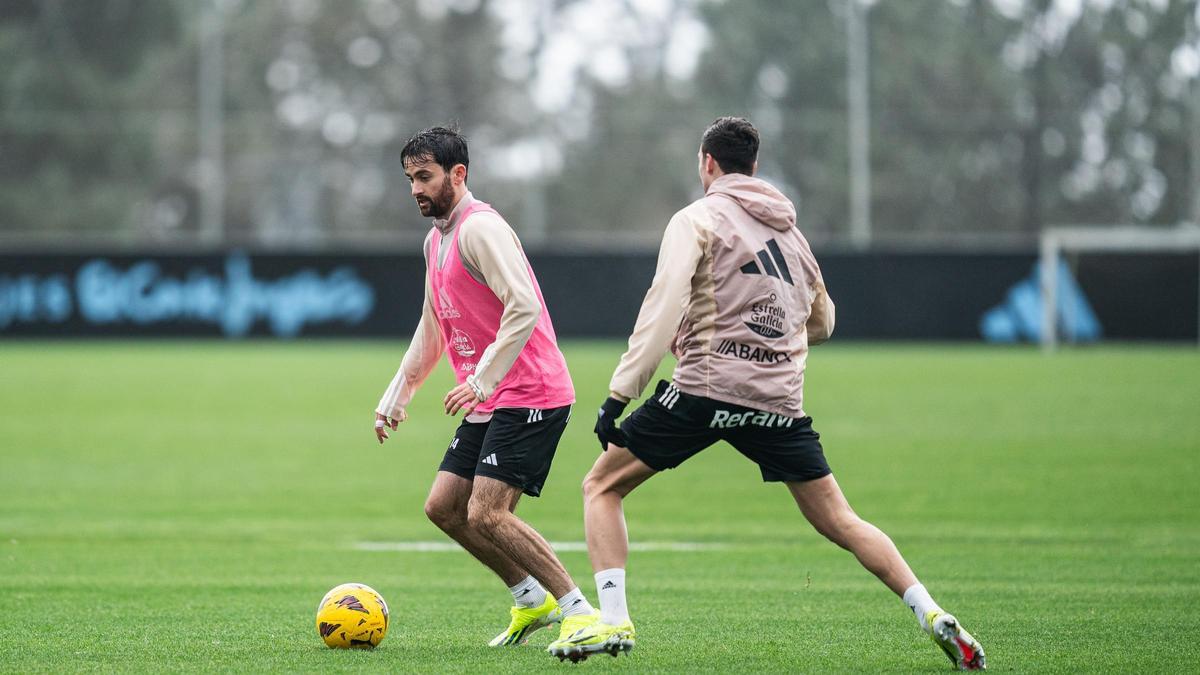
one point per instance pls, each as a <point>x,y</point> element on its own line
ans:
<point>458,174</point>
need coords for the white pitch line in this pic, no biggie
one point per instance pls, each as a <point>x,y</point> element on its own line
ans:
<point>444,546</point>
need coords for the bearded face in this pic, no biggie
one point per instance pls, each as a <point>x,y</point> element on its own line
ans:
<point>438,204</point>
<point>432,187</point>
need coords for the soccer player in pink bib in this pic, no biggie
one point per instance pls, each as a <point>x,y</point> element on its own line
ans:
<point>484,309</point>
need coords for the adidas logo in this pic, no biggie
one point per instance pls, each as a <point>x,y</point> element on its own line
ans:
<point>773,263</point>
<point>669,397</point>
<point>607,585</point>
<point>446,308</point>
<point>535,415</point>
<point>490,459</point>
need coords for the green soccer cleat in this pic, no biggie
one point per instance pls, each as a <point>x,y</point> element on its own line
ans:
<point>963,650</point>
<point>569,626</point>
<point>588,635</point>
<point>525,621</point>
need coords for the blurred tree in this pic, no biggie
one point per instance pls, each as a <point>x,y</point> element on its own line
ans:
<point>989,118</point>
<point>947,146</point>
<point>1118,99</point>
<point>786,72</point>
<point>619,116</point>
<point>77,148</point>
<point>323,95</point>
<point>98,126</point>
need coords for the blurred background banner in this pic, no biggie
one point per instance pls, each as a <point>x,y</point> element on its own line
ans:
<point>158,128</point>
<point>888,295</point>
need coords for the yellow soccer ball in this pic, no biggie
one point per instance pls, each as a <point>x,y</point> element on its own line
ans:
<point>352,616</point>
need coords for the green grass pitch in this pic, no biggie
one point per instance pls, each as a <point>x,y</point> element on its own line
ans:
<point>184,505</point>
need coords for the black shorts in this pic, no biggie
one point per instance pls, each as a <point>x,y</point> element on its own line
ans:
<point>671,426</point>
<point>516,447</point>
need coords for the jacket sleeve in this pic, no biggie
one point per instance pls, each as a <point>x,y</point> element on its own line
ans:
<point>489,246</point>
<point>663,308</point>
<point>821,316</point>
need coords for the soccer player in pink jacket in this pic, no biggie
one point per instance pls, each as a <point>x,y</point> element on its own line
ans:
<point>739,298</point>
<point>484,309</point>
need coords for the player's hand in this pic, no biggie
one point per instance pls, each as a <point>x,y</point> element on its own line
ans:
<point>606,423</point>
<point>383,422</point>
<point>463,398</point>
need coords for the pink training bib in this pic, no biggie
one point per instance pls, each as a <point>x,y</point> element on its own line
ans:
<point>469,315</point>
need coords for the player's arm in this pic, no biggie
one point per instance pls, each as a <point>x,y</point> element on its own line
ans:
<point>821,316</point>
<point>490,247</point>
<point>662,310</point>
<point>418,362</point>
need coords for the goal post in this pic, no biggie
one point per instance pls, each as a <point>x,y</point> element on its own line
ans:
<point>1055,241</point>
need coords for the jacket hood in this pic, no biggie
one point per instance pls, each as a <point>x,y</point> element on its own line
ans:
<point>758,197</point>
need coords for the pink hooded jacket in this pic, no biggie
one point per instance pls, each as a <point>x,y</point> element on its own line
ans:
<point>737,296</point>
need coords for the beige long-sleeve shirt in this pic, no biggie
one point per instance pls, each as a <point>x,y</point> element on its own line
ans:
<point>492,254</point>
<point>737,296</point>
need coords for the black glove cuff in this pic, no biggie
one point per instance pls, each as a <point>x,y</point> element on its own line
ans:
<point>613,408</point>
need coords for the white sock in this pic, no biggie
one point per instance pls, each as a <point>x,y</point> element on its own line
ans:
<point>918,600</point>
<point>574,603</point>
<point>528,593</point>
<point>610,586</point>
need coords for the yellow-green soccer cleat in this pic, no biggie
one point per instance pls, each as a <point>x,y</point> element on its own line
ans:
<point>963,650</point>
<point>526,621</point>
<point>590,636</point>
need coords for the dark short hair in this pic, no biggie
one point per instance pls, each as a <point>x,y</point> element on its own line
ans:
<point>733,142</point>
<point>444,146</point>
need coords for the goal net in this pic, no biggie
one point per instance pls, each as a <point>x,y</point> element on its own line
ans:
<point>1061,243</point>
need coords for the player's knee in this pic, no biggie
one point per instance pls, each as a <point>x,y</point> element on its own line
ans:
<point>589,486</point>
<point>839,527</point>
<point>444,515</point>
<point>484,517</point>
<point>829,531</point>
<point>595,484</point>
